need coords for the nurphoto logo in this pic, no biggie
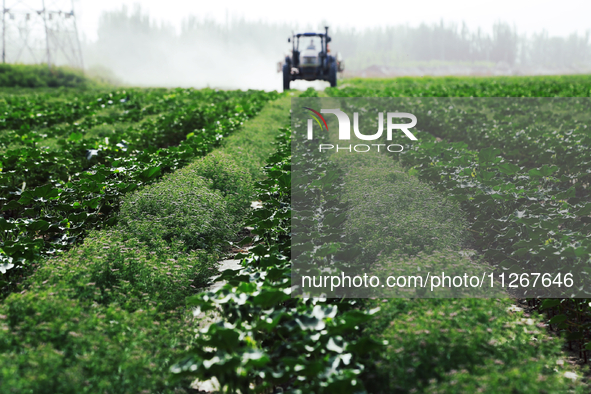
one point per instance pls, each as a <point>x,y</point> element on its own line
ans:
<point>345,129</point>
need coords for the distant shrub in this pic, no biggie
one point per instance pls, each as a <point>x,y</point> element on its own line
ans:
<point>231,180</point>
<point>181,207</point>
<point>39,75</point>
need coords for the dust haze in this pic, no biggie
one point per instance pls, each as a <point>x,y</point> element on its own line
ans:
<point>242,54</point>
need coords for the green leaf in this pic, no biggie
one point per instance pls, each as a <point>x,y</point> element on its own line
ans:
<point>549,303</point>
<point>5,225</point>
<point>534,173</point>
<point>365,345</point>
<point>77,217</point>
<point>586,210</point>
<point>269,297</point>
<point>75,136</point>
<point>557,319</point>
<point>12,205</point>
<point>26,198</point>
<point>571,192</point>
<point>38,225</point>
<point>486,175</point>
<point>92,203</point>
<point>487,155</point>
<point>223,338</point>
<point>284,181</point>
<point>508,168</point>
<point>245,241</point>
<point>334,220</point>
<point>46,191</point>
<point>150,173</point>
<point>547,170</point>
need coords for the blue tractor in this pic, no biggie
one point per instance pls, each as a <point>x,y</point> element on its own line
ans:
<point>313,63</point>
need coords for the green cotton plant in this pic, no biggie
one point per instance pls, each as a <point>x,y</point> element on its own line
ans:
<point>264,338</point>
<point>519,172</point>
<point>106,315</point>
<point>524,218</point>
<point>59,179</point>
<point>529,218</point>
<point>509,86</point>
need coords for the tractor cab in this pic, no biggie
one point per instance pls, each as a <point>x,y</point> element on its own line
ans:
<point>311,56</point>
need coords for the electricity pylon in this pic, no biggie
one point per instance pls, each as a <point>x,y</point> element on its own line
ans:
<point>40,31</point>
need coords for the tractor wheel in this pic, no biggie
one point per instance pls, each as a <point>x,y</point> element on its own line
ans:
<point>286,78</point>
<point>332,74</point>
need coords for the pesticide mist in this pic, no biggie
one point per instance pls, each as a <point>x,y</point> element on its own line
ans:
<point>244,54</point>
<point>144,53</point>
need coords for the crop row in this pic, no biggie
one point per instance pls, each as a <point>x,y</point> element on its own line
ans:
<point>265,337</point>
<point>104,315</point>
<point>402,225</point>
<point>50,196</point>
<point>108,314</point>
<point>520,168</point>
<point>28,112</point>
<point>528,201</point>
<point>546,86</point>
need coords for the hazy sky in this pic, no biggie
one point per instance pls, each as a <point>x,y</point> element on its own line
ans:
<point>557,17</point>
